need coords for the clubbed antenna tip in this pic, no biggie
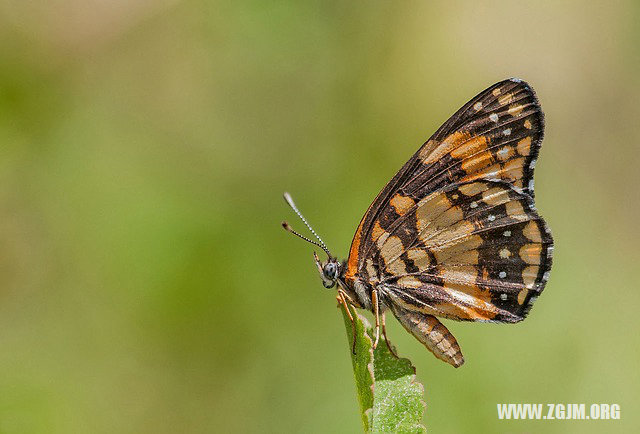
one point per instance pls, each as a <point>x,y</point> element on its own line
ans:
<point>285,225</point>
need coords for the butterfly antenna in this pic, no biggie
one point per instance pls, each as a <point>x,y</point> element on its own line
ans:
<point>288,228</point>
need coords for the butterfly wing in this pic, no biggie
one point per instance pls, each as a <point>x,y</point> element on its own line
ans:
<point>474,251</point>
<point>495,136</point>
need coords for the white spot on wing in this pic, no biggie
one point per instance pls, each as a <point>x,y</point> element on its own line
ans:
<point>491,217</point>
<point>503,297</point>
<point>502,275</point>
<point>507,132</point>
<point>477,106</point>
<point>503,153</point>
<point>493,117</point>
<point>473,204</point>
<point>507,233</point>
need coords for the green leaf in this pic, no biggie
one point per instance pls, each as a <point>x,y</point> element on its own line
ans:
<point>390,398</point>
<point>362,361</point>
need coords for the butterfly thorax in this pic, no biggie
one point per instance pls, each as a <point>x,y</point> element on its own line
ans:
<point>358,290</point>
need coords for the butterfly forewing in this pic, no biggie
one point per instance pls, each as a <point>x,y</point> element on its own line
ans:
<point>497,135</point>
<point>455,232</point>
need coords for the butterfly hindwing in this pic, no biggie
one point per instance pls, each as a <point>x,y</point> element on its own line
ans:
<point>474,251</point>
<point>496,135</point>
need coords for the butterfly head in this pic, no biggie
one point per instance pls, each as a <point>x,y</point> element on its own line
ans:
<point>329,270</point>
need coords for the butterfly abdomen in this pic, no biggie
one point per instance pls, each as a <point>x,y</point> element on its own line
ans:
<point>432,334</point>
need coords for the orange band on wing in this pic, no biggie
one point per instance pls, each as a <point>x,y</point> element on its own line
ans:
<point>352,262</point>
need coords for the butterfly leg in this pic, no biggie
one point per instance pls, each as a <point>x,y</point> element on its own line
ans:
<point>386,339</point>
<point>342,301</point>
<point>376,311</point>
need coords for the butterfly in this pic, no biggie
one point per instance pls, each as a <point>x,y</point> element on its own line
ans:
<point>455,233</point>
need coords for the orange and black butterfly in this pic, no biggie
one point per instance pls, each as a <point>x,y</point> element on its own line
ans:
<point>455,233</point>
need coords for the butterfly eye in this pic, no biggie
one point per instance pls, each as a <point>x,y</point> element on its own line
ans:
<point>331,271</point>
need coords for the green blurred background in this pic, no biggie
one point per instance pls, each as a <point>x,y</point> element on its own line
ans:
<point>146,284</point>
